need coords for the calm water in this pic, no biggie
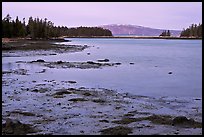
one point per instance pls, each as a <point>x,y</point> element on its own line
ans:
<point>152,59</point>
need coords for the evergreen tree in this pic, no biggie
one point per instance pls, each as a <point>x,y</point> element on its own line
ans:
<point>38,28</point>
<point>7,26</point>
<point>192,31</point>
<point>168,33</point>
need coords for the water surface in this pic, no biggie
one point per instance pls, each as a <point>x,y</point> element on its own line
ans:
<point>153,59</point>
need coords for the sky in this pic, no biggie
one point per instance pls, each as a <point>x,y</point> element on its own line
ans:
<point>162,15</point>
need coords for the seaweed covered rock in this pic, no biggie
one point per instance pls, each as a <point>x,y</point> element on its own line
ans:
<point>118,130</point>
<point>179,120</point>
<point>170,72</point>
<point>15,127</point>
<point>59,62</point>
<point>182,121</point>
<point>40,60</point>
<point>103,60</point>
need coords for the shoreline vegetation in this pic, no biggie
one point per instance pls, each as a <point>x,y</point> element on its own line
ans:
<point>38,28</point>
<point>44,29</point>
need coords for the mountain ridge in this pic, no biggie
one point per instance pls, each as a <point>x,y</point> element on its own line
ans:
<point>129,29</point>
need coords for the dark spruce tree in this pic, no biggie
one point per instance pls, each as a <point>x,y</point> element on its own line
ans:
<point>192,31</point>
<point>44,29</point>
<point>165,33</point>
<point>168,33</point>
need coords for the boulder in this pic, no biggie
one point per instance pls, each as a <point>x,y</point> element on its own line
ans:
<point>40,60</point>
<point>179,120</point>
<point>15,127</point>
<point>118,130</point>
<point>59,62</point>
<point>170,72</point>
<point>103,60</point>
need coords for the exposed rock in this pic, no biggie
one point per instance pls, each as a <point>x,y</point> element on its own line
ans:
<point>170,72</point>
<point>179,120</point>
<point>164,120</point>
<point>140,126</point>
<point>117,63</point>
<point>160,119</point>
<point>20,71</point>
<point>184,122</point>
<point>77,99</point>
<point>43,71</point>
<point>118,107</point>
<point>157,119</point>
<point>47,45</point>
<point>72,82</point>
<point>126,120</point>
<point>62,92</point>
<point>80,65</point>
<point>39,60</point>
<point>87,94</point>
<point>98,101</point>
<point>58,96</point>
<point>23,113</point>
<point>15,127</point>
<point>91,62</point>
<point>104,120</point>
<point>118,130</point>
<point>103,60</point>
<point>59,104</point>
<point>129,115</point>
<point>41,90</point>
<point>6,72</point>
<point>52,54</point>
<point>198,99</point>
<point>59,62</point>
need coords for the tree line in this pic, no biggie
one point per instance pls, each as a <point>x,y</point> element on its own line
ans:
<point>192,31</point>
<point>165,33</point>
<point>39,28</point>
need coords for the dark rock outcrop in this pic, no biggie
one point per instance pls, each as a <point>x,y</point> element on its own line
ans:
<point>40,60</point>
<point>182,121</point>
<point>15,127</point>
<point>118,130</point>
<point>103,60</point>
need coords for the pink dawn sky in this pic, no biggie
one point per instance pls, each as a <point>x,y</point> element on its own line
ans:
<point>163,15</point>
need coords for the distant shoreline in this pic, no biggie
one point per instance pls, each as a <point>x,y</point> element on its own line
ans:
<point>137,37</point>
<point>62,39</point>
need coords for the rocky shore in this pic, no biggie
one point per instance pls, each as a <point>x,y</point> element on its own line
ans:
<point>43,47</point>
<point>60,111</point>
<point>51,107</point>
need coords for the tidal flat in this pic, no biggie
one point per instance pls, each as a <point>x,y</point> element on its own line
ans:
<point>54,106</point>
